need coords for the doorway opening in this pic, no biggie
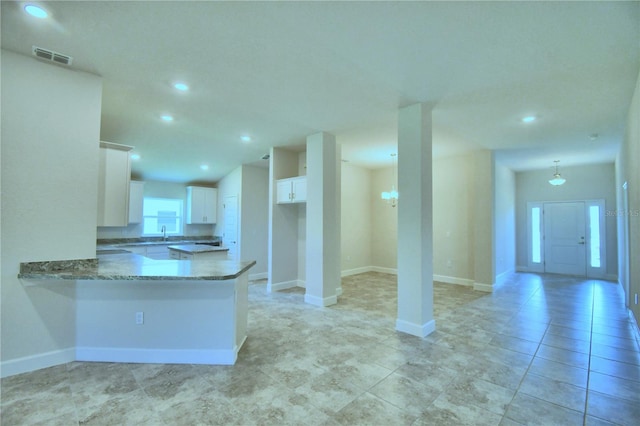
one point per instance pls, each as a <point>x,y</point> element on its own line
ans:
<point>567,238</point>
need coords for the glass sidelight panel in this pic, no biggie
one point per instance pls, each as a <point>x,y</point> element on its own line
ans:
<point>594,232</point>
<point>536,237</point>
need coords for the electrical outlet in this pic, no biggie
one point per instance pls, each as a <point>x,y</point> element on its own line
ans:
<point>139,318</point>
<point>636,298</point>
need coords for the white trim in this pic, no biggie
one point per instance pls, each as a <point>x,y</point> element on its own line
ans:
<point>483,287</point>
<point>612,277</point>
<point>159,356</point>
<point>453,280</point>
<point>319,301</point>
<point>283,285</point>
<point>520,268</point>
<point>416,329</point>
<point>339,291</point>
<point>36,362</point>
<point>356,271</point>
<point>392,271</point>
<point>258,276</point>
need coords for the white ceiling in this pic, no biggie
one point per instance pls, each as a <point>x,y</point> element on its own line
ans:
<point>279,71</point>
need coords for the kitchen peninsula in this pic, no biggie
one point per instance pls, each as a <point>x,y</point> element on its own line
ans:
<point>130,308</point>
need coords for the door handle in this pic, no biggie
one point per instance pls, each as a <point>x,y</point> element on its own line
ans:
<point>581,242</point>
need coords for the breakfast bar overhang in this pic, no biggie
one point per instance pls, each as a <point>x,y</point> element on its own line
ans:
<point>130,308</point>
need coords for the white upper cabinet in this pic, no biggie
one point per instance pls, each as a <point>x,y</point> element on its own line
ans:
<point>201,205</point>
<point>291,190</point>
<point>114,175</point>
<point>136,200</point>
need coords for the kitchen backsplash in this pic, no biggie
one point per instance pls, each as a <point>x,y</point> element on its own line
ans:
<point>135,231</point>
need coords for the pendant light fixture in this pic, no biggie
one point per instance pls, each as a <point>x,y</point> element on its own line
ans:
<point>392,196</point>
<point>557,178</point>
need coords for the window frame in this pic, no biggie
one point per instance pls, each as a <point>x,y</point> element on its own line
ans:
<point>180,219</point>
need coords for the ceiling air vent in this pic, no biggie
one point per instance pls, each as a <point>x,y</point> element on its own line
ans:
<point>51,56</point>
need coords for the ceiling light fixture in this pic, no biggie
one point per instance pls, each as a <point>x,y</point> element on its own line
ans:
<point>204,167</point>
<point>135,157</point>
<point>36,11</point>
<point>529,119</point>
<point>557,179</point>
<point>181,86</point>
<point>392,196</point>
<point>167,118</point>
<point>245,138</point>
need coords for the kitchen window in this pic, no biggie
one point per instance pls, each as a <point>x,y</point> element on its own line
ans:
<point>162,216</point>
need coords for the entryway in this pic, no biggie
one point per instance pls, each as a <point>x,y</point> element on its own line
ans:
<point>567,238</point>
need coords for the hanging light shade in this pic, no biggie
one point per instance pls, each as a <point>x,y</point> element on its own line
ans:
<point>557,178</point>
<point>391,197</point>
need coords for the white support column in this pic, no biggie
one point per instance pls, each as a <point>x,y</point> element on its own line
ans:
<point>415,222</point>
<point>484,227</point>
<point>323,221</point>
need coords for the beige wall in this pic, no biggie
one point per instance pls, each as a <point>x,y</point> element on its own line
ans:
<point>254,218</point>
<point>356,218</point>
<point>50,138</point>
<point>628,170</point>
<point>384,221</point>
<point>453,254</point>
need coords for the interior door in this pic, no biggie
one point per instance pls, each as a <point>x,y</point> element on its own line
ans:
<point>230,238</point>
<point>564,238</point>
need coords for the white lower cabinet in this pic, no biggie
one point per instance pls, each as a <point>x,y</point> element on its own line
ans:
<point>208,255</point>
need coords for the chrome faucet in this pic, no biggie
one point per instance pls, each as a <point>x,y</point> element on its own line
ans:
<point>164,232</point>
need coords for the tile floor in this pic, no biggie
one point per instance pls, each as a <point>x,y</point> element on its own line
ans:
<point>543,350</point>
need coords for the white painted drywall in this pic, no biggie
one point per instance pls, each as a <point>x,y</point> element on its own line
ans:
<point>505,219</point>
<point>384,221</point>
<point>50,138</point>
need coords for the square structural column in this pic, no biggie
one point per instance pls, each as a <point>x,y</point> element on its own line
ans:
<point>323,220</point>
<point>484,248</point>
<point>415,221</point>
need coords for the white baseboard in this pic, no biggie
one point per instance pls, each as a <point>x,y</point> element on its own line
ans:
<point>36,362</point>
<point>392,271</point>
<point>453,280</point>
<point>258,276</point>
<point>416,329</point>
<point>282,285</point>
<point>356,271</point>
<point>483,287</point>
<point>339,291</point>
<point>611,277</point>
<point>158,356</point>
<point>319,301</point>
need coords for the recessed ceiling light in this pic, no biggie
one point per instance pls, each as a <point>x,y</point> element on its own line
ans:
<point>36,11</point>
<point>529,119</point>
<point>245,138</point>
<point>166,117</point>
<point>181,86</point>
<point>593,136</point>
<point>135,157</point>
<point>204,167</point>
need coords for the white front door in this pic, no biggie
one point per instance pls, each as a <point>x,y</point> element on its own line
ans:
<point>230,238</point>
<point>564,243</point>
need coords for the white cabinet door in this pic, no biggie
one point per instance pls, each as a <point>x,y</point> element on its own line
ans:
<point>283,191</point>
<point>114,175</point>
<point>136,195</point>
<point>291,190</point>
<point>201,205</point>
<point>299,189</point>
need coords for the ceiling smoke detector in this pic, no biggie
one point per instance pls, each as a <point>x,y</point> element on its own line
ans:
<point>51,56</point>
